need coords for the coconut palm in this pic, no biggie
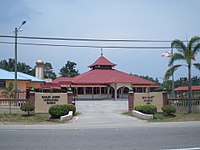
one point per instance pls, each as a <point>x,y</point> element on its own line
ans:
<point>8,92</point>
<point>187,54</point>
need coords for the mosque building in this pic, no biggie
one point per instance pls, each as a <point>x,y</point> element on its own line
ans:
<point>102,81</point>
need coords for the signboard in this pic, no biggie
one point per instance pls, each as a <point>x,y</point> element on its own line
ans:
<point>154,98</point>
<point>43,101</point>
<point>148,99</point>
<point>50,99</point>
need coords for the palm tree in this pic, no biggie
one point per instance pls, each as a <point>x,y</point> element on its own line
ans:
<point>8,92</point>
<point>185,53</point>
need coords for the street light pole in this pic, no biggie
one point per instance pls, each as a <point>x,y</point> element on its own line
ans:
<point>15,83</point>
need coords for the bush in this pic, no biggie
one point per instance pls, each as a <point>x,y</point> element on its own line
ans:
<point>147,109</point>
<point>27,107</point>
<point>72,108</point>
<point>58,110</point>
<point>168,109</point>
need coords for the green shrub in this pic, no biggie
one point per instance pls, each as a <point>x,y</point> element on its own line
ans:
<point>147,109</point>
<point>58,110</point>
<point>27,107</point>
<point>72,108</point>
<point>168,109</point>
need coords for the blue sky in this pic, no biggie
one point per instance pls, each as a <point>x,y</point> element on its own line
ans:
<point>105,19</point>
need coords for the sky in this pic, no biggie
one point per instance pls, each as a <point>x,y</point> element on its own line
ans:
<point>100,19</point>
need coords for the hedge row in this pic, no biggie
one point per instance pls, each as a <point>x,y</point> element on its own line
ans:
<point>56,111</point>
<point>169,109</point>
<point>151,109</point>
<point>147,109</point>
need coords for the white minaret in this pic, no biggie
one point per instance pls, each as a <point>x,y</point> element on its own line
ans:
<point>39,70</point>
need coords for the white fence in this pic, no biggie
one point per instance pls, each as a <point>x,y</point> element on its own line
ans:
<point>183,104</point>
<point>7,105</point>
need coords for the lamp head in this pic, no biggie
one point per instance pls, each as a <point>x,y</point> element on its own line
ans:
<point>23,22</point>
<point>130,89</point>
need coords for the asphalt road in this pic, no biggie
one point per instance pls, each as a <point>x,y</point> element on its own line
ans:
<point>101,127</point>
<point>137,138</point>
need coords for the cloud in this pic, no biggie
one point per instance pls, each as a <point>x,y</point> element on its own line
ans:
<point>13,11</point>
<point>105,19</point>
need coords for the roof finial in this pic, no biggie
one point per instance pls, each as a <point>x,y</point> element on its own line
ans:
<point>101,51</point>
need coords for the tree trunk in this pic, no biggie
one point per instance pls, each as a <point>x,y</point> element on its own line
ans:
<point>189,89</point>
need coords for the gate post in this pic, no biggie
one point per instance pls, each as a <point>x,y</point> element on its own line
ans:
<point>69,97</point>
<point>31,99</point>
<point>165,99</point>
<point>130,100</point>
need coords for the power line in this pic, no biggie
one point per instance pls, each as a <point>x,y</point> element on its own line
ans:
<point>88,39</point>
<point>89,46</point>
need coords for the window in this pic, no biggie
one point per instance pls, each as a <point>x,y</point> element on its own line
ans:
<point>126,90</point>
<point>2,84</point>
<point>88,90</point>
<point>103,90</point>
<point>139,90</point>
<point>80,90</point>
<point>96,90</point>
<point>112,91</point>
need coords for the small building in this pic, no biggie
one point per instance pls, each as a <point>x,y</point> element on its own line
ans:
<point>24,81</point>
<point>102,81</point>
<point>182,92</point>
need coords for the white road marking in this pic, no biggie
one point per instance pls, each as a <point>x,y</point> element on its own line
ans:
<point>77,118</point>
<point>194,148</point>
<point>11,130</point>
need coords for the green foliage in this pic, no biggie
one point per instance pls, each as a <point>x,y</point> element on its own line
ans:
<point>72,108</point>
<point>48,71</point>
<point>147,108</point>
<point>8,92</point>
<point>151,79</point>
<point>185,53</point>
<point>27,107</point>
<point>69,70</point>
<point>171,71</point>
<point>58,110</point>
<point>22,67</point>
<point>10,66</point>
<point>168,109</point>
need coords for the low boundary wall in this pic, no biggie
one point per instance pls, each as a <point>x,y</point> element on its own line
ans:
<point>43,101</point>
<point>155,98</point>
<point>182,105</point>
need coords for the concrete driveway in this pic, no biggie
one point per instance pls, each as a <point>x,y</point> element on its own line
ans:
<point>104,113</point>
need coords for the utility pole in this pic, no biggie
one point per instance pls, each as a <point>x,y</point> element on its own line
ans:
<point>15,82</point>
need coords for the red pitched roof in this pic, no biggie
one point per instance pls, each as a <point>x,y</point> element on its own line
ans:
<point>105,76</point>
<point>102,76</point>
<point>185,88</point>
<point>62,79</point>
<point>50,85</point>
<point>64,82</point>
<point>102,61</point>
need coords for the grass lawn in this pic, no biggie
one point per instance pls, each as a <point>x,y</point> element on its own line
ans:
<point>160,117</point>
<point>24,119</point>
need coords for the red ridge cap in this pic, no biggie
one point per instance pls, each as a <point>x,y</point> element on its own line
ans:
<point>102,61</point>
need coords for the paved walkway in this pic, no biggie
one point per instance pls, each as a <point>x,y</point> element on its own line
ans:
<point>93,114</point>
<point>105,113</point>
